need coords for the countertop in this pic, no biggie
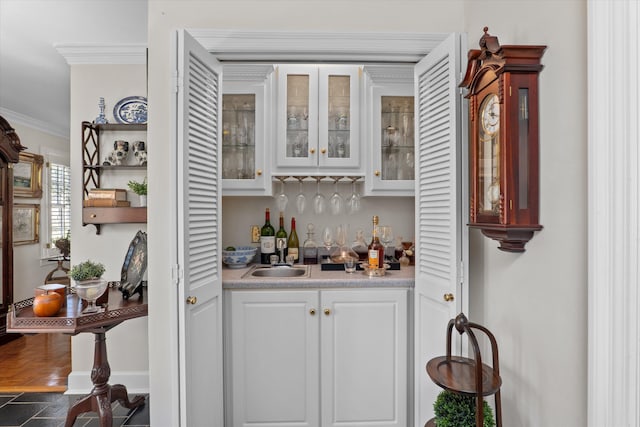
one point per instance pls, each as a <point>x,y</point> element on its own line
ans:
<point>232,279</point>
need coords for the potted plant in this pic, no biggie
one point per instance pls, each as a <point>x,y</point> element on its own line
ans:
<point>64,245</point>
<point>89,283</point>
<point>458,410</point>
<point>140,188</point>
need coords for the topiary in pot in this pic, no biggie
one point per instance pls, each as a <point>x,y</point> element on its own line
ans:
<point>86,270</point>
<point>458,410</point>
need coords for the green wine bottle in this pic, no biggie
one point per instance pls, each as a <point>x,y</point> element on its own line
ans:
<point>267,239</point>
<point>281,240</point>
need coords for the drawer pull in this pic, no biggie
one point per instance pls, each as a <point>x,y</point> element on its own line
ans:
<point>327,311</point>
<point>312,312</point>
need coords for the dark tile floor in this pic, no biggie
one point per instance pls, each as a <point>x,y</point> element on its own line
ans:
<point>50,410</point>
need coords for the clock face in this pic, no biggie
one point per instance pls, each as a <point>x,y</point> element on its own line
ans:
<point>490,114</point>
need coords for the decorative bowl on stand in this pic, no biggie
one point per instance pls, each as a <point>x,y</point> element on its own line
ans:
<point>90,291</point>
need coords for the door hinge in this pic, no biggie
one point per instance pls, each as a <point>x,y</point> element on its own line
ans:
<point>461,272</point>
<point>176,274</point>
<point>175,82</point>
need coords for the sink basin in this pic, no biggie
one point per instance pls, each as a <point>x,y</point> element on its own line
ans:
<point>278,272</point>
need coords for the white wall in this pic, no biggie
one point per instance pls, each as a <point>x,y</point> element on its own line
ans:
<point>534,302</point>
<point>127,343</point>
<point>28,270</point>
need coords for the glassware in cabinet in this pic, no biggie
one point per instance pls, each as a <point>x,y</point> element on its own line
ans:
<point>246,117</point>
<point>318,117</point>
<point>390,167</point>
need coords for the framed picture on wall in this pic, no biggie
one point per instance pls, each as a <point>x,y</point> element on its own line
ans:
<point>27,176</point>
<point>26,223</point>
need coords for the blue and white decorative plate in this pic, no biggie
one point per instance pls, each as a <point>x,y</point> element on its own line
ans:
<point>130,110</point>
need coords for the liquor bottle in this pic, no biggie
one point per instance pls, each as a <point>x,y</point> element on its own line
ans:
<point>281,240</point>
<point>293,244</point>
<point>267,239</point>
<point>310,248</point>
<point>376,249</point>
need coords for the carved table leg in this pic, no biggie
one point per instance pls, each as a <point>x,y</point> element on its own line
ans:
<point>102,394</point>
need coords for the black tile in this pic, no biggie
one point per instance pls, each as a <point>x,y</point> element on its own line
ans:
<point>5,399</point>
<point>16,414</point>
<point>44,422</point>
<point>95,422</point>
<point>40,397</point>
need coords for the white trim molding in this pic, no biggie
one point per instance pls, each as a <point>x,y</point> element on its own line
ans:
<point>103,54</point>
<point>613,215</point>
<point>42,126</point>
<point>302,46</point>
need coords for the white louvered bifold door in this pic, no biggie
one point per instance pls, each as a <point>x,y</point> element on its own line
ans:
<point>438,213</point>
<point>199,272</point>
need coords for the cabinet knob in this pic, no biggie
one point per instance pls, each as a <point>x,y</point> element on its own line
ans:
<point>259,172</point>
<point>448,297</point>
<point>192,300</point>
<point>312,312</point>
<point>327,311</point>
<point>312,150</point>
<point>377,173</point>
<point>93,215</point>
<point>323,150</point>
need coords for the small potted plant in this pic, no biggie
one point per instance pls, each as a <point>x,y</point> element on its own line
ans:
<point>140,188</point>
<point>89,283</point>
<point>458,410</point>
<point>64,245</point>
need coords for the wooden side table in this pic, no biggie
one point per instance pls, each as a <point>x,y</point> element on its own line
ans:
<point>70,320</point>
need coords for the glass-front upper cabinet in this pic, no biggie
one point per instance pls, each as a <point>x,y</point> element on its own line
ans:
<point>318,121</point>
<point>390,128</point>
<point>246,130</point>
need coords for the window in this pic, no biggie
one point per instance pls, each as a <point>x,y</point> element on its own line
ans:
<point>59,201</point>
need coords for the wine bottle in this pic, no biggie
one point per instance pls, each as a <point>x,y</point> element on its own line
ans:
<point>293,244</point>
<point>281,239</point>
<point>267,239</point>
<point>376,249</point>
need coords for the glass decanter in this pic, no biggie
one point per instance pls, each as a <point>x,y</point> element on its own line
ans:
<point>309,247</point>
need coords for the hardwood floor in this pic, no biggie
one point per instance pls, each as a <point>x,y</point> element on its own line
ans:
<point>35,363</point>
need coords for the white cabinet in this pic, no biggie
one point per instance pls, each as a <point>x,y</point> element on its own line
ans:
<point>318,118</point>
<point>247,127</point>
<point>317,358</point>
<point>390,160</point>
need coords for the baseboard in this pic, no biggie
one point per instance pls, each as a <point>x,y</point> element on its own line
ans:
<point>137,382</point>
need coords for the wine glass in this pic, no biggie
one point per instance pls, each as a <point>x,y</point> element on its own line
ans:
<point>282,199</point>
<point>353,201</point>
<point>319,201</point>
<point>341,234</point>
<point>336,201</point>
<point>327,239</point>
<point>386,236</point>
<point>301,199</point>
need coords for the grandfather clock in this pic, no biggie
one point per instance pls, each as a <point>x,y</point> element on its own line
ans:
<point>503,136</point>
<point>10,148</point>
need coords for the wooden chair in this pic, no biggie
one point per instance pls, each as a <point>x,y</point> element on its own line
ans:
<point>467,376</point>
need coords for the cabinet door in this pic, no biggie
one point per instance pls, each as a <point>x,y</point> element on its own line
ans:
<point>246,130</point>
<point>273,360</point>
<point>339,117</point>
<point>297,126</point>
<point>364,357</point>
<point>318,123</point>
<point>393,157</point>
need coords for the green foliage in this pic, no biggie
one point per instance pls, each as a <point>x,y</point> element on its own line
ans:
<point>140,188</point>
<point>86,270</point>
<point>457,410</point>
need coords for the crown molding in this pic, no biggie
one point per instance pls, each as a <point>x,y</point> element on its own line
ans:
<point>42,126</point>
<point>277,46</point>
<point>103,54</point>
